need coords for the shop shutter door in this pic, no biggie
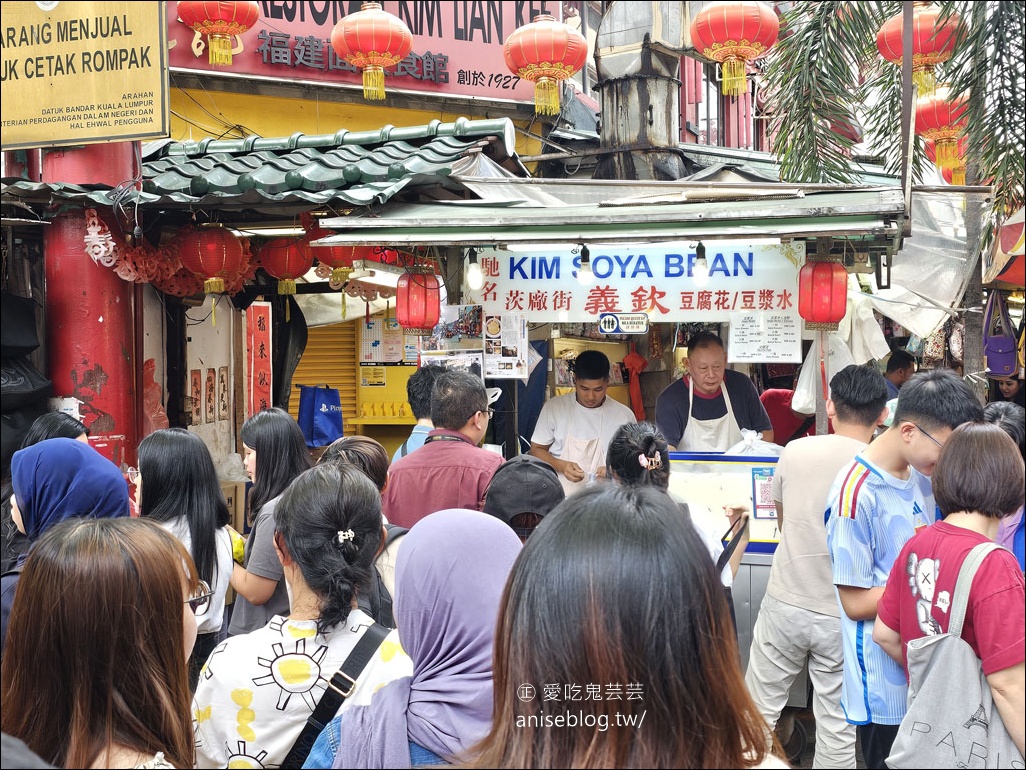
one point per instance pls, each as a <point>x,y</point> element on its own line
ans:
<point>330,359</point>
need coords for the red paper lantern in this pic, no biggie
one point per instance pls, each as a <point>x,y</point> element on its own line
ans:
<point>734,33</point>
<point>933,43</point>
<point>219,22</point>
<point>955,175</point>
<point>338,258</point>
<point>418,303</point>
<point>371,40</point>
<point>286,259</point>
<point>822,294</point>
<point>214,254</point>
<point>545,52</point>
<point>942,120</point>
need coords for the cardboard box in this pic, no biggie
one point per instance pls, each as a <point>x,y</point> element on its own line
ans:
<point>235,495</point>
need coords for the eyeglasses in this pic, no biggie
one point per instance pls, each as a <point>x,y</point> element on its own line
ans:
<point>133,475</point>
<point>200,599</point>
<point>925,433</point>
<point>487,410</point>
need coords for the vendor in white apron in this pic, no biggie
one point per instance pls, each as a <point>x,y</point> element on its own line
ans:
<point>716,435</point>
<point>707,410</point>
<point>574,430</point>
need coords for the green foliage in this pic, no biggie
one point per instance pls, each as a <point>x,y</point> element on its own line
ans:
<point>826,66</point>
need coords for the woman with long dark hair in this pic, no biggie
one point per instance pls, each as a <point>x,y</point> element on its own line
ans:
<point>615,591</point>
<point>95,669</point>
<point>638,455</point>
<point>451,574</point>
<point>259,689</point>
<point>275,453</point>
<point>178,488</point>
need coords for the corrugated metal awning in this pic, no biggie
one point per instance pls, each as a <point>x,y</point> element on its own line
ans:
<point>732,212</point>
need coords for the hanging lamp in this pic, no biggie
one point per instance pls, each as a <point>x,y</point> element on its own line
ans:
<point>418,303</point>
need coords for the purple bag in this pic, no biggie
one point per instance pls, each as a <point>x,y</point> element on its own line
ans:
<point>999,351</point>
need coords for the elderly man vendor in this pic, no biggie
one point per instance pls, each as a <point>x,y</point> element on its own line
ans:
<point>706,410</point>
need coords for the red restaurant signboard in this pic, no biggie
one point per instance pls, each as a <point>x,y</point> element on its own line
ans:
<point>457,46</point>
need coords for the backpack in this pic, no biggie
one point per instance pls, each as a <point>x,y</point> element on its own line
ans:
<point>376,601</point>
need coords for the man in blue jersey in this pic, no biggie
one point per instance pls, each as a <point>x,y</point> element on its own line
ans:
<point>876,504</point>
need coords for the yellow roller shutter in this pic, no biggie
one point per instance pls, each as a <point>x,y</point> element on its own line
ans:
<point>330,359</point>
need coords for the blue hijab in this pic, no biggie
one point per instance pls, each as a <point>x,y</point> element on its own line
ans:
<point>62,478</point>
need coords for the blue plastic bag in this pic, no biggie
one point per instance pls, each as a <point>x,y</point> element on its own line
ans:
<point>320,414</point>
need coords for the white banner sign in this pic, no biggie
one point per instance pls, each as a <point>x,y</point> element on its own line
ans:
<point>663,280</point>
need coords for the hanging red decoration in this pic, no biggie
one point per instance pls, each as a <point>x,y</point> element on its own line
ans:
<point>286,259</point>
<point>942,120</point>
<point>956,174</point>
<point>933,43</point>
<point>734,33</point>
<point>214,254</point>
<point>822,294</point>
<point>545,52</point>
<point>846,126</point>
<point>418,303</point>
<point>219,23</point>
<point>372,39</point>
<point>338,258</point>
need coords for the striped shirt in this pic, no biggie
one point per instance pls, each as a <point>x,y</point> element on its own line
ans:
<point>870,516</point>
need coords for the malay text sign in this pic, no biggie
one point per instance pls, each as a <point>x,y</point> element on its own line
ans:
<point>623,323</point>
<point>80,73</point>
<point>658,279</point>
<point>457,46</point>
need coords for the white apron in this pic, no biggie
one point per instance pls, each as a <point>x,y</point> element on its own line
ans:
<point>585,452</point>
<point>716,435</point>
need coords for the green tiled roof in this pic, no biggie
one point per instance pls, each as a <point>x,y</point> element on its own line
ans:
<point>358,168</point>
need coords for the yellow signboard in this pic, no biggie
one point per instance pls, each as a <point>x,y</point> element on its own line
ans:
<point>82,72</point>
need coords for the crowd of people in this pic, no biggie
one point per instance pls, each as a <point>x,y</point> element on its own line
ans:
<point>559,609</point>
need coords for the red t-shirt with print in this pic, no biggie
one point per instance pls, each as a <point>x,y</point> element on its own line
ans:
<point>917,600</point>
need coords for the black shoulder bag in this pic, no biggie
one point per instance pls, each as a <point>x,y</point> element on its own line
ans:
<point>725,557</point>
<point>340,686</point>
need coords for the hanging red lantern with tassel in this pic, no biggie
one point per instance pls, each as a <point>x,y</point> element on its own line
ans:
<point>956,174</point>
<point>822,294</point>
<point>733,34</point>
<point>219,23</point>
<point>286,259</point>
<point>545,52</point>
<point>371,40</point>
<point>213,253</point>
<point>418,303</point>
<point>942,120</point>
<point>933,43</point>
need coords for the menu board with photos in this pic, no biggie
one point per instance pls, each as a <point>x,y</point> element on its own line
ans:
<point>506,355</point>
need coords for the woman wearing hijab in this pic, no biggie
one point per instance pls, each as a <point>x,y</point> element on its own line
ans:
<point>450,576</point>
<point>54,480</point>
<point>49,425</point>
